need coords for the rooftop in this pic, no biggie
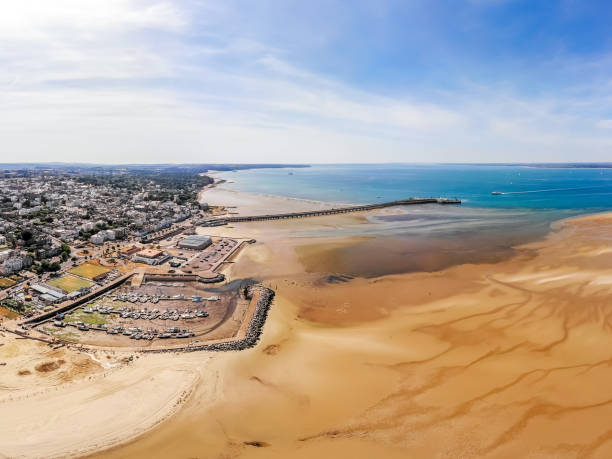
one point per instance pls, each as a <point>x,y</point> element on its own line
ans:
<point>150,253</point>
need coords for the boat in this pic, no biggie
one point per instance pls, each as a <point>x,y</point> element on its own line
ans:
<point>496,192</point>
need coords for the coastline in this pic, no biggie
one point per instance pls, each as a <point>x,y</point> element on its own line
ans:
<point>246,203</point>
<point>384,241</point>
<point>427,356</point>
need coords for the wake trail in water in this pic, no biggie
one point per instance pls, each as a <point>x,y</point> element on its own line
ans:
<point>552,189</point>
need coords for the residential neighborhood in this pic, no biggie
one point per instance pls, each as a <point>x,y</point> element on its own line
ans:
<point>52,221</point>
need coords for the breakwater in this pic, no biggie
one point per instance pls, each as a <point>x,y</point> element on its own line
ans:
<point>332,211</point>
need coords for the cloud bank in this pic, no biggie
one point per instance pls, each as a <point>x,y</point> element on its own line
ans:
<point>125,81</point>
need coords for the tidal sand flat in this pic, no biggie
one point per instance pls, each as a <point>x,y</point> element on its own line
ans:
<point>505,359</point>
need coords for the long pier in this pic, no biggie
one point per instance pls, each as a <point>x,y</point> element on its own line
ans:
<point>332,211</point>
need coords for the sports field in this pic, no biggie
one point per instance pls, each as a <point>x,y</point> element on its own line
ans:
<point>89,270</point>
<point>70,283</point>
<point>5,282</point>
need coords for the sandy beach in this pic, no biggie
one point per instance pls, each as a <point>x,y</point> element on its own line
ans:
<point>244,203</point>
<point>503,359</point>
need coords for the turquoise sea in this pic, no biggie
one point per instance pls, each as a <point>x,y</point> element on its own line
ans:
<point>523,187</point>
<point>486,227</point>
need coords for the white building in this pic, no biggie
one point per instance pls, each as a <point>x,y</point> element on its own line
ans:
<point>11,265</point>
<point>98,238</point>
<point>109,235</point>
<point>5,254</point>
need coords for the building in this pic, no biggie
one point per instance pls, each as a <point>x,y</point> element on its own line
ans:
<point>195,242</point>
<point>2,241</point>
<point>120,233</point>
<point>151,257</point>
<point>129,251</point>
<point>48,294</point>
<point>109,235</point>
<point>98,238</point>
<point>5,254</point>
<point>16,261</point>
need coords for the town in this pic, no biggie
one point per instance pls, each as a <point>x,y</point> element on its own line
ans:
<point>105,258</point>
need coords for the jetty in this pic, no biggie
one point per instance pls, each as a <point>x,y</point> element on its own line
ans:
<point>332,211</point>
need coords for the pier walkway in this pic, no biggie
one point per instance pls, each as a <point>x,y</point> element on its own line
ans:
<point>333,211</point>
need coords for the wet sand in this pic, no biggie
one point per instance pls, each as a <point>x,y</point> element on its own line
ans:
<point>508,359</point>
<point>504,359</point>
<point>243,203</point>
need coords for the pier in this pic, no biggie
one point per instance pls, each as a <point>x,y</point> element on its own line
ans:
<point>333,211</point>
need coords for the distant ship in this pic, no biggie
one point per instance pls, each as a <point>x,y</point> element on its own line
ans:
<point>496,192</point>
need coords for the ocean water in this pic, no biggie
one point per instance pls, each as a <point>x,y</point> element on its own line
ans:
<point>522,187</point>
<point>485,228</point>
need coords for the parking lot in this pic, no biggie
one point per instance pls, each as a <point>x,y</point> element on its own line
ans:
<point>211,258</point>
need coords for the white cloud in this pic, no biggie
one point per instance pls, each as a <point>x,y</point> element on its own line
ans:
<point>154,81</point>
<point>36,19</point>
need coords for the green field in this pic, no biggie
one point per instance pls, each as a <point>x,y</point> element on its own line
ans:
<point>62,334</point>
<point>89,270</point>
<point>70,283</point>
<point>5,282</point>
<point>79,315</point>
<point>8,313</point>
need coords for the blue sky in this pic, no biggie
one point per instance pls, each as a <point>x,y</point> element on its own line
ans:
<point>305,81</point>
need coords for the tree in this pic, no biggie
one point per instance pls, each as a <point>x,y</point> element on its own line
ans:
<point>26,235</point>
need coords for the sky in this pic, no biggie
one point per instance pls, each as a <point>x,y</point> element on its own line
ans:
<point>316,81</point>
